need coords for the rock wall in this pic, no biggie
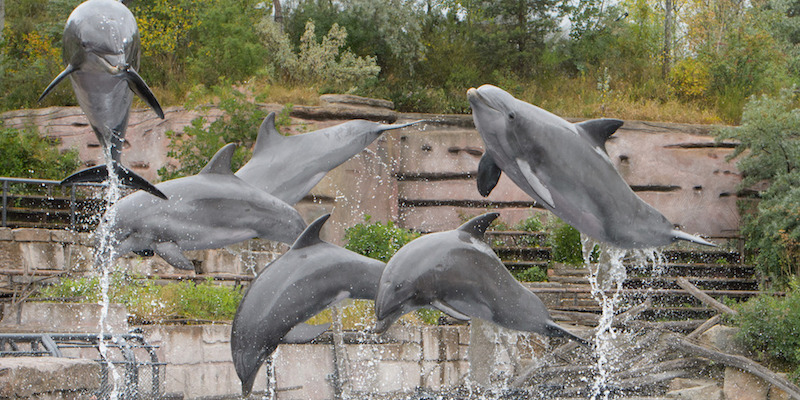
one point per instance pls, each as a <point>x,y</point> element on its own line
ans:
<point>422,177</point>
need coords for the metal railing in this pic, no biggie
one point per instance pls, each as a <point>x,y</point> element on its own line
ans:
<point>53,190</point>
<point>144,377</point>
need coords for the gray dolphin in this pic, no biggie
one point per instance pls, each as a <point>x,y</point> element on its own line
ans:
<point>459,274</point>
<point>209,210</point>
<point>565,168</point>
<point>288,167</point>
<point>311,276</point>
<point>101,50</point>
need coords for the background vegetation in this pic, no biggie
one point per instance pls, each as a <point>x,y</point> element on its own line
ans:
<point>698,61</point>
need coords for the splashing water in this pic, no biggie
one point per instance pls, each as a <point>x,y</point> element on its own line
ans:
<point>104,256</point>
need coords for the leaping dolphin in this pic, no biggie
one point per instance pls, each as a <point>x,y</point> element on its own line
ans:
<point>209,210</point>
<point>311,276</point>
<point>288,167</point>
<point>566,169</point>
<point>459,274</point>
<point>101,50</point>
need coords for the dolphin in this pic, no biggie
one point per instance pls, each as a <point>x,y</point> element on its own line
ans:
<point>288,167</point>
<point>101,49</point>
<point>311,276</point>
<point>459,274</point>
<point>566,169</point>
<point>209,210</point>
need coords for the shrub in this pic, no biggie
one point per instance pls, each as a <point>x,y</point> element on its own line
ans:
<point>770,326</point>
<point>566,243</point>
<point>376,240</point>
<point>26,154</point>
<point>532,274</point>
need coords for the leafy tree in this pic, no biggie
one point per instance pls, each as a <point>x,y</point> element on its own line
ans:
<point>769,151</point>
<point>26,154</point>
<point>198,142</point>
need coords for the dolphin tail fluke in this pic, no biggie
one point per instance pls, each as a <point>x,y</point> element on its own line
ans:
<point>70,69</point>
<point>99,173</point>
<point>141,89</point>
<point>679,235</point>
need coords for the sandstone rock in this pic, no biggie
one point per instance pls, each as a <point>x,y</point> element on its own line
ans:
<point>22,377</point>
<point>740,385</point>
<point>723,338</point>
<point>709,391</point>
<point>355,100</point>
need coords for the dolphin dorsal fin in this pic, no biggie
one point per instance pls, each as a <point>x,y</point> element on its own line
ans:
<point>477,226</point>
<point>267,134</point>
<point>599,130</point>
<point>221,162</point>
<point>310,236</point>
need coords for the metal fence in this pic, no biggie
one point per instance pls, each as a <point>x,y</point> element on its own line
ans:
<point>130,354</point>
<point>44,203</point>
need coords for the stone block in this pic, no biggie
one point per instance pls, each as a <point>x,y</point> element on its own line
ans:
<point>397,376</point>
<point>307,367</point>
<point>26,377</point>
<point>221,261</point>
<point>6,234</point>
<point>709,391</point>
<point>42,255</point>
<point>86,239</point>
<point>740,385</point>
<point>217,352</point>
<point>723,338</point>
<point>78,257</point>
<point>686,383</point>
<point>10,255</point>
<point>64,236</point>
<point>217,333</point>
<point>212,380</point>
<point>404,333</point>
<point>31,235</point>
<point>62,318</point>
<point>183,344</point>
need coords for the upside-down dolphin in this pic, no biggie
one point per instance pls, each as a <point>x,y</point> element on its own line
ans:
<point>101,49</point>
<point>311,276</point>
<point>209,210</point>
<point>459,274</point>
<point>566,169</point>
<point>288,167</point>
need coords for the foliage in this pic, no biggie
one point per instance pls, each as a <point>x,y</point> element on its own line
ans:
<point>689,78</point>
<point>770,325</point>
<point>769,151</point>
<point>532,274</point>
<point>148,301</point>
<point>376,240</point>
<point>198,142</point>
<point>24,153</point>
<point>530,224</point>
<point>566,244</point>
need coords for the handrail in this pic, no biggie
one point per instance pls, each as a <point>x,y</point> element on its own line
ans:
<point>6,181</point>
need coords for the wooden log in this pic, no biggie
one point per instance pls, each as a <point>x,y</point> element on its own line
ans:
<point>735,361</point>
<point>704,327</point>
<point>706,299</point>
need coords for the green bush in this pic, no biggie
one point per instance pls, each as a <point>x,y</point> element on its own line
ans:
<point>566,244</point>
<point>530,224</point>
<point>376,240</point>
<point>770,326</point>
<point>148,301</point>
<point>24,153</point>
<point>532,274</point>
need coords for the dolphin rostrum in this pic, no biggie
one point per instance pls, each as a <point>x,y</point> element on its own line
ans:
<point>288,167</point>
<point>459,274</point>
<point>209,210</point>
<point>566,169</point>
<point>311,276</point>
<point>101,50</point>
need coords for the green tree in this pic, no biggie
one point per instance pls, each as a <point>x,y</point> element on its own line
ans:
<point>769,152</point>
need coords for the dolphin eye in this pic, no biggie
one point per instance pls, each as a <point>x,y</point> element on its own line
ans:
<point>512,115</point>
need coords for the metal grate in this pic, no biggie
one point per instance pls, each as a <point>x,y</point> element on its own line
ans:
<point>136,361</point>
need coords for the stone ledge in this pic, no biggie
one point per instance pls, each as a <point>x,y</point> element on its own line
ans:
<point>29,376</point>
<point>31,235</point>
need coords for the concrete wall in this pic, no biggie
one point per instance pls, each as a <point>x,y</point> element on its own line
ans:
<point>401,361</point>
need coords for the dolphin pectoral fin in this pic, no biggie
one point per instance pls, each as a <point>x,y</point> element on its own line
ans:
<point>70,69</point>
<point>599,130</point>
<point>99,173</point>
<point>173,255</point>
<point>679,235</point>
<point>553,330</point>
<point>488,174</point>
<point>445,308</point>
<point>304,333</point>
<point>136,83</point>
<point>536,184</point>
